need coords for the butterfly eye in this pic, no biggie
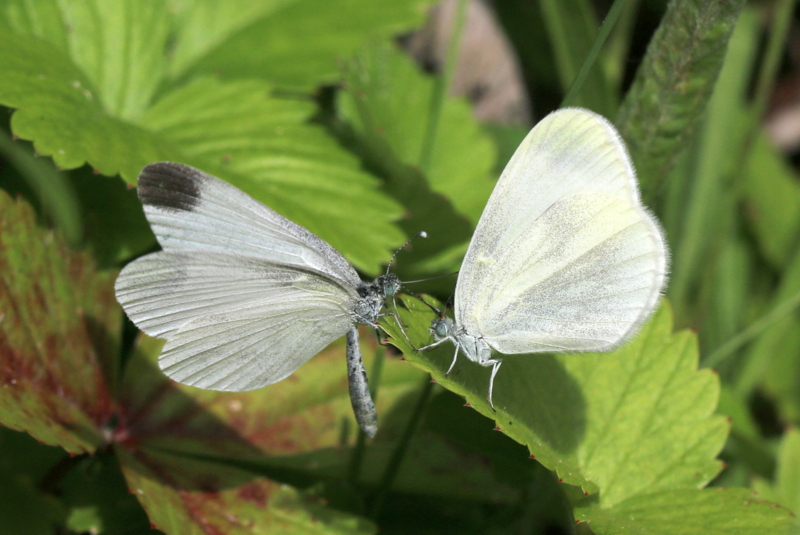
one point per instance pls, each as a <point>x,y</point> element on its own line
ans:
<point>439,327</point>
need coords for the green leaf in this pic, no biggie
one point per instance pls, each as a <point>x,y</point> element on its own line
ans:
<point>295,44</point>
<point>115,49</point>
<point>387,102</point>
<point>673,84</point>
<point>79,106</point>
<point>638,419</point>
<point>120,45</point>
<point>688,512</point>
<point>58,332</point>
<point>786,487</point>
<point>788,476</point>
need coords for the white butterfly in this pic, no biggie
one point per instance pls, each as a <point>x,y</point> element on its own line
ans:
<point>564,258</point>
<point>242,295</point>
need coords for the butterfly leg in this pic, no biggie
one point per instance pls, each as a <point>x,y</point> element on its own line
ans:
<point>396,317</point>
<point>455,358</point>
<point>431,346</point>
<point>495,364</point>
<point>381,341</point>
<point>399,321</point>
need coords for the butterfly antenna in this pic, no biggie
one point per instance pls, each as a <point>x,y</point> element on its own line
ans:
<point>422,300</point>
<point>432,278</point>
<point>418,234</point>
<point>449,303</point>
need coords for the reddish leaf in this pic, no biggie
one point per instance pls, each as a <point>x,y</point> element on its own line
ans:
<point>304,412</point>
<point>211,499</point>
<point>58,335</point>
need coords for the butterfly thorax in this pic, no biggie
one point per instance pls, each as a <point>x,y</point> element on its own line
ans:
<point>371,298</point>
<point>474,347</point>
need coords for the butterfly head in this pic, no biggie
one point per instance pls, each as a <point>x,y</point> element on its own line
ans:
<point>388,284</point>
<point>442,327</point>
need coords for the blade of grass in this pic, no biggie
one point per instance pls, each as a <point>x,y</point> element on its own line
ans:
<point>442,87</point>
<point>605,30</point>
<point>778,33</point>
<point>572,29</point>
<point>402,447</point>
<point>755,329</point>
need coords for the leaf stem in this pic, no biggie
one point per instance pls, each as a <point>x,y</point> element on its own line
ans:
<point>440,88</point>
<point>605,30</point>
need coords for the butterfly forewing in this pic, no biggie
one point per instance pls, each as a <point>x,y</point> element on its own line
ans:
<point>191,210</point>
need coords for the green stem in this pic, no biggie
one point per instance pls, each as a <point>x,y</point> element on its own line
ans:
<point>755,329</point>
<point>440,88</point>
<point>53,190</point>
<point>778,34</point>
<point>402,447</point>
<point>588,63</point>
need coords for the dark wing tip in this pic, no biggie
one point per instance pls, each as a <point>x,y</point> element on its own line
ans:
<point>171,186</point>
